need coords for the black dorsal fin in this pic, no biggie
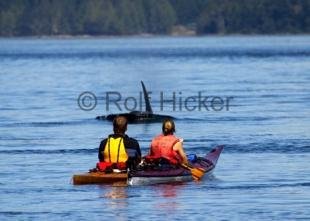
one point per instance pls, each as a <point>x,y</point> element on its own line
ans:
<point>148,107</point>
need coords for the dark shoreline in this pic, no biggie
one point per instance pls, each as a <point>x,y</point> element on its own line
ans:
<point>70,37</point>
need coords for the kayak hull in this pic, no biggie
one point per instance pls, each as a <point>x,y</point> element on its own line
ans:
<point>99,177</point>
<point>135,181</point>
<point>148,177</point>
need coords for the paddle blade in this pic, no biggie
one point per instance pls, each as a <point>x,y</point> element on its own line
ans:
<point>197,173</point>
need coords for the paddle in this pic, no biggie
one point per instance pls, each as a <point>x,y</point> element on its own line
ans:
<point>197,173</point>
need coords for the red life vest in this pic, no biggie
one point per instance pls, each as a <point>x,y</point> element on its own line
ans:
<point>104,166</point>
<point>162,146</point>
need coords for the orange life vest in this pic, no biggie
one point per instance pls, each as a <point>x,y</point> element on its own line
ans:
<point>162,146</point>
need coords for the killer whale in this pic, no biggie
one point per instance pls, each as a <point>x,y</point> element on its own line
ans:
<point>146,116</point>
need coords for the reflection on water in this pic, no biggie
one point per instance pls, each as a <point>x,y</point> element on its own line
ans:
<point>116,192</point>
<point>169,194</point>
<point>168,190</point>
<point>166,195</point>
<point>115,199</point>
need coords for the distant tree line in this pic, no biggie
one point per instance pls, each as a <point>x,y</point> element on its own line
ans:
<point>255,16</point>
<point>127,17</point>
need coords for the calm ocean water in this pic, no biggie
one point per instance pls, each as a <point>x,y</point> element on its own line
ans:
<point>263,173</point>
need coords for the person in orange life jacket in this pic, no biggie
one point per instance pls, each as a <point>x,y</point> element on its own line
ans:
<point>119,150</point>
<point>167,145</point>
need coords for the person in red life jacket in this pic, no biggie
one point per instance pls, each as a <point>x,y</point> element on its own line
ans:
<point>119,151</point>
<point>167,145</point>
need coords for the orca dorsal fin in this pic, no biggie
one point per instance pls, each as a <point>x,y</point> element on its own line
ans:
<point>148,107</point>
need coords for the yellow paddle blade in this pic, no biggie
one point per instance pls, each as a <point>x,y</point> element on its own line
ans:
<point>197,173</point>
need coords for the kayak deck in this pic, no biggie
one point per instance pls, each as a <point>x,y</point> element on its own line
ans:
<point>147,177</point>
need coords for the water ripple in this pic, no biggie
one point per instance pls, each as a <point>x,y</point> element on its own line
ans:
<point>260,186</point>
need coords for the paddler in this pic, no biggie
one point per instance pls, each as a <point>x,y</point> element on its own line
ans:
<point>119,151</point>
<point>167,145</point>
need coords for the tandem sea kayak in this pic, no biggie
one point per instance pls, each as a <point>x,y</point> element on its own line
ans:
<point>148,176</point>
